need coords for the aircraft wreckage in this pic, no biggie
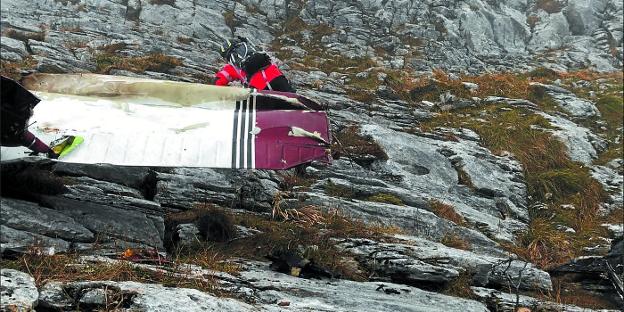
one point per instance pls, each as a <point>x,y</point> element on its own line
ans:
<point>145,122</point>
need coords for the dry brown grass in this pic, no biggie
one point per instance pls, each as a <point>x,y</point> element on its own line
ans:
<point>159,62</point>
<point>354,145</point>
<point>24,36</point>
<point>544,245</point>
<point>454,241</point>
<point>312,234</point>
<point>460,287</point>
<point>567,290</point>
<point>70,268</point>
<point>185,40</point>
<point>550,6</point>
<point>13,69</point>
<point>446,211</point>
<point>291,179</point>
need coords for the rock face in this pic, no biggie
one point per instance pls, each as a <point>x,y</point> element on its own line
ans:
<point>269,291</point>
<point>483,194</point>
<point>421,262</point>
<point>18,291</point>
<point>473,36</point>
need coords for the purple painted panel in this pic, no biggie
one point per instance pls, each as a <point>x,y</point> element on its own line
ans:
<point>276,149</point>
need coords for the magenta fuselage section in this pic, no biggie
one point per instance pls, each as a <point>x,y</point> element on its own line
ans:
<point>277,146</point>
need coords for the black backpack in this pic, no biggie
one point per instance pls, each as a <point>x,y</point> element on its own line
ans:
<point>17,105</point>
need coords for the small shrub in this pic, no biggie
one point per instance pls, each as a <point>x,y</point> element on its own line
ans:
<point>360,148</point>
<point>336,190</point>
<point>550,6</point>
<point>543,72</point>
<point>294,236</point>
<point>612,109</point>
<point>460,287</point>
<point>162,2</point>
<point>112,48</point>
<point>386,198</point>
<point>363,96</point>
<point>293,179</point>
<point>230,19</point>
<point>544,245</point>
<point>64,268</point>
<point>463,177</point>
<point>14,70</point>
<point>446,211</point>
<point>294,24</point>
<point>532,20</point>
<point>185,40</point>
<point>25,36</point>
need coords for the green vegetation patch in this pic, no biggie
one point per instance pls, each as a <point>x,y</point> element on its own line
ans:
<point>551,176</point>
<point>386,198</point>
<point>336,190</point>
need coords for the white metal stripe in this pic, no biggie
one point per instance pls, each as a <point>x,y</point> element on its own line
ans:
<point>238,137</point>
<point>246,134</point>
<point>253,135</point>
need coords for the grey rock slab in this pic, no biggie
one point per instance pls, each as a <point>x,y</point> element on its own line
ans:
<point>165,299</point>
<point>498,203</point>
<point>415,221</point>
<point>134,177</point>
<point>570,103</point>
<point>457,36</point>
<point>53,296</point>
<point>419,260</point>
<point>110,194</point>
<point>344,295</point>
<point>582,145</point>
<point>28,216</point>
<point>17,291</point>
<point>13,45</point>
<point>128,225</point>
<point>612,181</point>
<point>142,297</point>
<point>506,302</point>
<point>183,188</point>
<point>22,241</point>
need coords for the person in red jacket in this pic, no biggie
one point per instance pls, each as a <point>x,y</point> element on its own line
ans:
<point>252,68</point>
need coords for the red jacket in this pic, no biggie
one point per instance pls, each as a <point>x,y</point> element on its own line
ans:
<point>228,74</point>
<point>259,80</point>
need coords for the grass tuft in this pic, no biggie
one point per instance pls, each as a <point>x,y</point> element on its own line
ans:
<point>454,241</point>
<point>362,149</point>
<point>336,190</point>
<point>446,211</point>
<point>159,62</point>
<point>386,198</point>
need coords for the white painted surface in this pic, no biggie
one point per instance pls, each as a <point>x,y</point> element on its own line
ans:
<point>136,131</point>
